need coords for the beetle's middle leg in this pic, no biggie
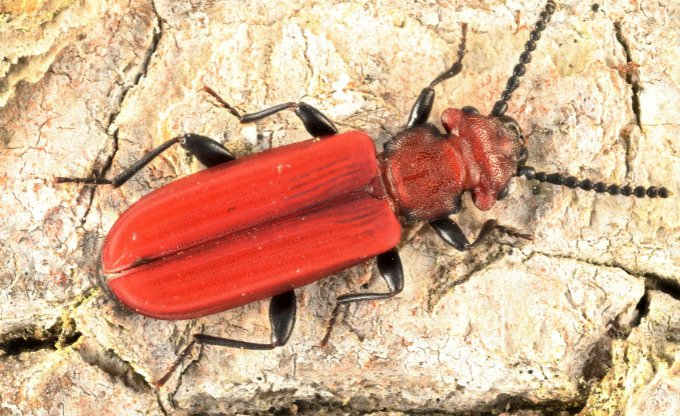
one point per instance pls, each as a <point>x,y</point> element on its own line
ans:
<point>391,270</point>
<point>423,105</point>
<point>453,235</point>
<point>206,150</point>
<point>316,123</point>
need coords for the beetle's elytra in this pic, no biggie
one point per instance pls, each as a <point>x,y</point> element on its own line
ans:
<point>317,206</point>
<point>261,226</point>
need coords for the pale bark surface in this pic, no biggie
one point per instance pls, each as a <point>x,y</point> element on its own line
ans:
<point>585,318</point>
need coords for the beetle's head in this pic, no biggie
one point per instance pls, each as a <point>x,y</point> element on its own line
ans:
<point>493,149</point>
<point>500,135</point>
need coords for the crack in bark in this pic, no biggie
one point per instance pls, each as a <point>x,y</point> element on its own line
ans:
<point>146,62</point>
<point>662,284</point>
<point>518,403</point>
<point>31,339</point>
<point>631,79</point>
<point>155,41</point>
<point>642,309</point>
<point>59,336</point>
<point>114,365</point>
<point>108,360</point>
<point>515,403</point>
<point>658,283</point>
<point>503,403</point>
<point>652,281</point>
<point>183,370</point>
<point>438,289</point>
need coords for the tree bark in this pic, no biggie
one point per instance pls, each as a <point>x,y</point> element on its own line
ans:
<point>581,319</point>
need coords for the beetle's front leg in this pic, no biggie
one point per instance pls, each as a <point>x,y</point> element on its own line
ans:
<point>206,150</point>
<point>282,310</point>
<point>391,270</point>
<point>421,109</point>
<point>453,235</point>
<point>316,123</point>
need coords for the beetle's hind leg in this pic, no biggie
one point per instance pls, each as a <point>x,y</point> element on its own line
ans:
<point>316,123</point>
<point>206,150</point>
<point>282,310</point>
<point>453,235</point>
<point>423,105</point>
<point>391,270</point>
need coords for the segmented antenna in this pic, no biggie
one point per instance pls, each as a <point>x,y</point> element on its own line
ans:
<point>588,185</point>
<point>502,105</point>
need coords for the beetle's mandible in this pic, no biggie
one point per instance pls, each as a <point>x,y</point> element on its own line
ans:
<point>259,227</point>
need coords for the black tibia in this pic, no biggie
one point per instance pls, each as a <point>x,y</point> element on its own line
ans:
<point>206,150</point>
<point>282,309</point>
<point>502,105</point>
<point>588,185</point>
<point>391,270</point>
<point>453,235</point>
<point>315,122</point>
<point>209,152</point>
<point>423,105</point>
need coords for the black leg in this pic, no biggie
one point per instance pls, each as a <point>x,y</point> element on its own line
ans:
<point>423,105</point>
<point>453,235</point>
<point>206,150</point>
<point>209,152</point>
<point>315,122</point>
<point>469,109</point>
<point>391,270</point>
<point>282,309</point>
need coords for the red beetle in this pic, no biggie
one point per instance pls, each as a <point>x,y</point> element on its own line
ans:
<point>259,227</point>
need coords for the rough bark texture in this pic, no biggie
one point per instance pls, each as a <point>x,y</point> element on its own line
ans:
<point>582,319</point>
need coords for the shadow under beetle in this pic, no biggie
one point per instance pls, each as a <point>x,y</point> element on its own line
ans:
<point>261,226</point>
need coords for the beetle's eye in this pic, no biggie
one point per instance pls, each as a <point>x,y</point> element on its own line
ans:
<point>504,192</point>
<point>512,125</point>
<point>469,109</point>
